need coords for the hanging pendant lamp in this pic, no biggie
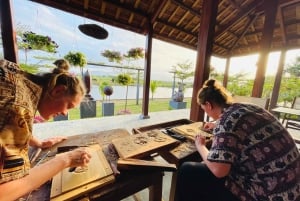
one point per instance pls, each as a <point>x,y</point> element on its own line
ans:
<point>93,30</point>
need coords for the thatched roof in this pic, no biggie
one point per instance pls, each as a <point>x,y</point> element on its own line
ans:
<point>238,29</point>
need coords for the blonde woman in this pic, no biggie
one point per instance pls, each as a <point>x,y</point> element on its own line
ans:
<point>252,157</point>
<point>21,95</point>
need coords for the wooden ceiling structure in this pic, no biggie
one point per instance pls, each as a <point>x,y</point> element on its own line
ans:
<point>223,28</point>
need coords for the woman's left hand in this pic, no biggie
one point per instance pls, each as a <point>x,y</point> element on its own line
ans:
<point>200,140</point>
<point>51,141</point>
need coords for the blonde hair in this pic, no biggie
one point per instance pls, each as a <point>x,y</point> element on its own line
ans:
<point>214,92</point>
<point>59,76</point>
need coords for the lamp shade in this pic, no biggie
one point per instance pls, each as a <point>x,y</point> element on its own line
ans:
<point>93,30</point>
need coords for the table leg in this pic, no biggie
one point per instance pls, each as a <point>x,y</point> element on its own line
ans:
<point>172,196</point>
<point>155,191</point>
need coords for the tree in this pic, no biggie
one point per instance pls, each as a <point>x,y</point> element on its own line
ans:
<point>32,41</point>
<point>183,70</point>
<point>115,56</point>
<point>153,87</point>
<point>125,80</point>
<point>294,68</point>
<point>112,56</point>
<point>76,59</point>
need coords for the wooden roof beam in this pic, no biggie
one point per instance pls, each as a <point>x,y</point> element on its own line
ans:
<point>180,4</point>
<point>174,27</point>
<point>250,23</point>
<point>243,13</point>
<point>162,6</point>
<point>234,4</point>
<point>282,27</point>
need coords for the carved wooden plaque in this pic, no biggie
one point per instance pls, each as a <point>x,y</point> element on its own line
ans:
<point>68,185</point>
<point>143,144</point>
<point>191,130</point>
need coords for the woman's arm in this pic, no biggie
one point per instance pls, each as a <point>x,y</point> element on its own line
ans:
<point>218,169</point>
<point>35,142</point>
<point>42,173</point>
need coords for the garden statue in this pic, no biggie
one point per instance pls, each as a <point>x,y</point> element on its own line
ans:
<point>178,96</point>
<point>87,79</point>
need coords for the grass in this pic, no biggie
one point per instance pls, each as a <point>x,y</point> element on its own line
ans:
<point>155,105</point>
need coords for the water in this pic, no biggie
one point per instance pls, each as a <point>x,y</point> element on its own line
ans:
<point>119,92</point>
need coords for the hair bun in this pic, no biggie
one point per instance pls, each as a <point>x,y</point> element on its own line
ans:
<point>210,83</point>
<point>62,66</point>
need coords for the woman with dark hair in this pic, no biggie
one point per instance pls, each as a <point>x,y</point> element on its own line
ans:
<point>252,157</point>
<point>22,95</point>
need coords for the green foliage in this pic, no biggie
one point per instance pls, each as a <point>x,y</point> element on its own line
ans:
<point>76,59</point>
<point>240,87</point>
<point>294,68</point>
<point>101,88</point>
<point>135,53</point>
<point>29,68</point>
<point>115,56</point>
<point>124,79</point>
<point>183,70</point>
<point>112,56</point>
<point>153,87</point>
<point>289,89</point>
<point>33,41</point>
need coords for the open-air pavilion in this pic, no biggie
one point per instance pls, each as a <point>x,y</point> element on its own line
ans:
<point>223,28</point>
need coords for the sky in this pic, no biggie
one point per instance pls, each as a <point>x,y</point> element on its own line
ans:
<point>62,27</point>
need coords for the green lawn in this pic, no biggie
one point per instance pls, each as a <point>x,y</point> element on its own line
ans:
<point>155,105</point>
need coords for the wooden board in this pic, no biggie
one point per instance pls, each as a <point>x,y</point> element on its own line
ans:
<point>137,164</point>
<point>69,185</point>
<point>143,144</point>
<point>191,130</point>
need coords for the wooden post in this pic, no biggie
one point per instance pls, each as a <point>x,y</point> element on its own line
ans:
<point>147,73</point>
<point>10,49</point>
<point>226,73</point>
<point>277,82</point>
<point>204,52</point>
<point>270,8</point>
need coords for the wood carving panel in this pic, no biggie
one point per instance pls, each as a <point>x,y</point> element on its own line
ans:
<point>143,144</point>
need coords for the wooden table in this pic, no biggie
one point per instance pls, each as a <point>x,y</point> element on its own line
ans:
<point>285,110</point>
<point>185,151</point>
<point>126,183</point>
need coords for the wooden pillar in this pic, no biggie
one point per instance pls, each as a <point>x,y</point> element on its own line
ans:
<point>204,52</point>
<point>147,73</point>
<point>270,9</point>
<point>10,49</point>
<point>277,82</point>
<point>226,73</point>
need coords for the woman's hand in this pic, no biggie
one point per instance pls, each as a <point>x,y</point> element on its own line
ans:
<point>209,126</point>
<point>51,141</point>
<point>199,140</point>
<point>78,157</point>
<point>47,143</point>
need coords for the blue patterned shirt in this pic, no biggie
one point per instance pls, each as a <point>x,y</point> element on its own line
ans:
<point>265,162</point>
